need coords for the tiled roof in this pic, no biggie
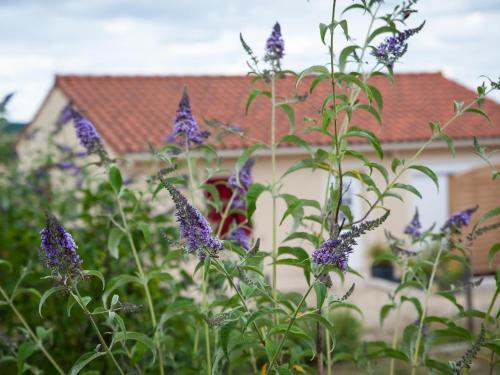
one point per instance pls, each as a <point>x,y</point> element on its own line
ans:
<point>129,111</point>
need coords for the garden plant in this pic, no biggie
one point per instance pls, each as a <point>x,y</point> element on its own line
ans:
<point>101,277</point>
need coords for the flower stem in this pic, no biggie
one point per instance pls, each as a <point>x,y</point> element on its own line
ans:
<point>242,299</point>
<point>290,324</point>
<point>35,338</point>
<point>274,194</point>
<point>144,281</point>
<point>425,306</point>
<point>204,303</point>
<point>78,299</point>
<point>398,316</point>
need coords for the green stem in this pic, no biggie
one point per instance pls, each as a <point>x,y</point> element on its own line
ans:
<point>143,279</point>
<point>78,299</point>
<point>204,304</point>
<point>290,324</point>
<point>274,194</point>
<point>488,314</point>
<point>242,299</point>
<point>225,214</point>
<point>410,162</point>
<point>425,306</point>
<point>398,316</point>
<point>35,338</point>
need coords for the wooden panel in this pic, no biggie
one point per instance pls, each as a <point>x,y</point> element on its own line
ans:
<point>468,190</point>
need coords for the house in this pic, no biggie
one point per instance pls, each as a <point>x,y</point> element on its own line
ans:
<point>130,111</point>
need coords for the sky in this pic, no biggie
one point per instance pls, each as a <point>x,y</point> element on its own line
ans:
<point>41,38</point>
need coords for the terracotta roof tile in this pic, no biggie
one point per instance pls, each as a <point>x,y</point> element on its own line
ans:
<point>129,111</point>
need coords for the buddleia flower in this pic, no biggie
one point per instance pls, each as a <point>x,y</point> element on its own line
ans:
<point>394,47</point>
<point>459,220</point>
<point>240,235</point>
<point>193,226</point>
<point>59,251</point>
<point>275,46</point>
<point>336,251</point>
<point>185,125</point>
<point>240,182</point>
<point>413,229</point>
<point>88,136</point>
<point>65,115</point>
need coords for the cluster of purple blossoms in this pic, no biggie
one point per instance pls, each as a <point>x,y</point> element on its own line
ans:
<point>240,182</point>
<point>59,250</point>
<point>394,47</point>
<point>414,227</point>
<point>275,45</point>
<point>186,126</point>
<point>86,132</point>
<point>240,235</point>
<point>459,219</point>
<point>65,115</point>
<point>194,228</point>
<point>335,251</point>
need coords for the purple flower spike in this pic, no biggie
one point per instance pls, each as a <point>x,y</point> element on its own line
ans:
<point>59,250</point>
<point>86,133</point>
<point>240,235</point>
<point>65,115</point>
<point>459,219</point>
<point>240,183</point>
<point>394,47</point>
<point>186,126</point>
<point>275,45</point>
<point>194,228</point>
<point>332,253</point>
<point>413,228</point>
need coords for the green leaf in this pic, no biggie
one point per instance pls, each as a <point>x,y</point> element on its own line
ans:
<point>344,55</point>
<point>322,31</point>
<point>384,311</point>
<point>410,188</point>
<point>114,238</point>
<point>315,69</point>
<point>84,360</point>
<point>480,112</point>
<point>451,145</point>
<point>368,135</point>
<point>253,194</point>
<point>115,178</point>
<point>395,163</point>
<point>491,254</point>
<point>377,95</point>
<point>26,349</point>
<point>428,172</point>
<point>381,30</point>
<point>136,336</point>
<point>292,138</point>
<point>117,282</point>
<point>46,295</point>
<point>6,263</point>
<point>146,231</point>
<point>291,116</point>
<point>253,95</point>
<point>97,274</point>
<point>488,215</point>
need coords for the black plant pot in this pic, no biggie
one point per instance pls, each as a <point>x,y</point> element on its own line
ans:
<point>383,271</point>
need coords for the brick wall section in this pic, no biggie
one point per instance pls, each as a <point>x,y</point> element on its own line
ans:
<point>477,188</point>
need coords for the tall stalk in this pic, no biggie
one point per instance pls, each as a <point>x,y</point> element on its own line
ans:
<point>34,337</point>
<point>274,193</point>
<point>125,227</point>
<point>204,282</point>
<point>425,307</point>
<point>398,316</point>
<point>78,298</point>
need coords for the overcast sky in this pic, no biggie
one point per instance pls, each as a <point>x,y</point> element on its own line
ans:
<point>40,38</point>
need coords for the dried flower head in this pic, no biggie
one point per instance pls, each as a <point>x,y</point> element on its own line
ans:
<point>185,125</point>
<point>59,250</point>
<point>193,226</point>
<point>394,47</point>
<point>275,46</point>
<point>459,220</point>
<point>414,227</point>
